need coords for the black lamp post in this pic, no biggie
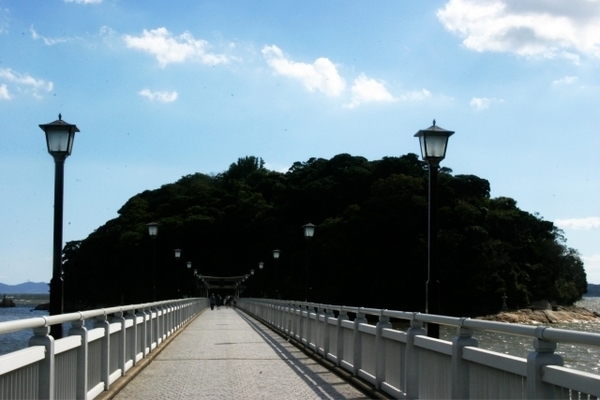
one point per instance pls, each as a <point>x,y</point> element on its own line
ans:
<point>309,232</point>
<point>261,280</point>
<point>195,280</point>
<point>276,254</point>
<point>59,138</point>
<point>434,141</point>
<point>177,257</point>
<point>153,231</point>
<point>189,267</point>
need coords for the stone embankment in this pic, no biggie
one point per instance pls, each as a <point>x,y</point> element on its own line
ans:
<point>556,315</point>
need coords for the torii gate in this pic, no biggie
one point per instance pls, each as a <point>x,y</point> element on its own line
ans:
<point>224,282</point>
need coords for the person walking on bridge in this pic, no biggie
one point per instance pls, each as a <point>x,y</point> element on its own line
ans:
<point>212,301</point>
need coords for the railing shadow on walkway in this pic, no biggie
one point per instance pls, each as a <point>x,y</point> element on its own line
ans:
<point>313,380</point>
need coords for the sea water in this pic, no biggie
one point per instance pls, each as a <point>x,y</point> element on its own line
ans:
<point>583,358</point>
<point>25,308</point>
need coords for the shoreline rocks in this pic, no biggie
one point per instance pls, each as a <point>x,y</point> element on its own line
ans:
<point>43,306</point>
<point>557,315</point>
<point>7,302</point>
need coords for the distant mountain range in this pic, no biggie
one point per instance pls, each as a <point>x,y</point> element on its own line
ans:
<point>25,288</point>
<point>593,290</point>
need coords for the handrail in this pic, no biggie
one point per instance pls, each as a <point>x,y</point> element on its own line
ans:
<point>89,360</point>
<point>394,361</point>
<point>39,322</point>
<point>537,331</point>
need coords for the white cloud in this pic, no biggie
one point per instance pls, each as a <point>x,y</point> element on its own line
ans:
<point>415,95</point>
<point>322,75</point>
<point>4,93</point>
<point>162,97</point>
<point>26,83</point>
<point>483,103</point>
<point>578,223</point>
<point>174,49</point>
<point>566,80</point>
<point>366,90</point>
<point>47,41</point>
<point>536,28</point>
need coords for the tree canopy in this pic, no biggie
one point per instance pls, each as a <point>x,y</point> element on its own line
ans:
<point>369,248</point>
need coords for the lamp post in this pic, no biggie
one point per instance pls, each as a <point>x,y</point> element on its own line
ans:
<point>153,231</point>
<point>189,267</point>
<point>195,280</point>
<point>309,232</point>
<point>276,254</point>
<point>433,141</point>
<point>261,280</point>
<point>177,257</point>
<point>59,139</point>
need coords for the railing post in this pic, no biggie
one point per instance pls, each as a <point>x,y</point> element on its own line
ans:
<point>46,370</point>
<point>290,320</point>
<point>144,334</point>
<point>134,332</point>
<point>307,326</point>
<point>167,322</point>
<point>343,316</point>
<point>536,360</point>
<point>159,324</point>
<point>166,315</point>
<point>411,377</point>
<point>326,334</point>
<point>78,328</point>
<point>281,316</point>
<point>300,323</point>
<point>160,329</point>
<point>384,323</point>
<point>101,322</point>
<point>357,358</point>
<point>460,367</point>
<point>155,324</point>
<point>318,334</point>
<point>122,338</point>
<point>150,328</point>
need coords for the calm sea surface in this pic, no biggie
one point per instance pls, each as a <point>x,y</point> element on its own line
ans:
<point>24,309</point>
<point>578,357</point>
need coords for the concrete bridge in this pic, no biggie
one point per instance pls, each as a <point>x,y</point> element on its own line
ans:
<point>270,348</point>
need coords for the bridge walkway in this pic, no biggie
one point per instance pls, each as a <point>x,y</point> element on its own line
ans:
<point>224,353</point>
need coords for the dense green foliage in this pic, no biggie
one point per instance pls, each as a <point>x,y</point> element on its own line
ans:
<point>369,249</point>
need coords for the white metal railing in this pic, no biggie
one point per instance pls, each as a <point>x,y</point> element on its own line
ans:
<point>87,361</point>
<point>411,365</point>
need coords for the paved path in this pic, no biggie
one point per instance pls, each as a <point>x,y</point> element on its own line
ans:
<point>225,354</point>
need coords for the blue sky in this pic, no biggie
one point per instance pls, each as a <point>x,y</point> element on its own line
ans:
<point>163,89</point>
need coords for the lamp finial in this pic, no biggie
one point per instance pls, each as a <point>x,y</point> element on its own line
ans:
<point>59,117</point>
<point>434,122</point>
